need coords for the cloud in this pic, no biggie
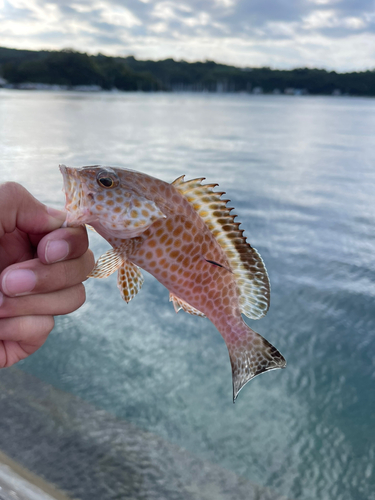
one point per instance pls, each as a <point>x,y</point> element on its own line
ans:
<point>337,34</point>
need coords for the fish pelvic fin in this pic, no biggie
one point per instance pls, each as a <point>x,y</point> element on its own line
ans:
<point>129,280</point>
<point>250,357</point>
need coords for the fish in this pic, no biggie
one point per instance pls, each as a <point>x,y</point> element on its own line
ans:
<point>185,235</point>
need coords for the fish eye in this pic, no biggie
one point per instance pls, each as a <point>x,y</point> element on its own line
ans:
<point>107,180</point>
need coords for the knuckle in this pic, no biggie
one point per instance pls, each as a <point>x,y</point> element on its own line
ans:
<point>66,275</point>
<point>90,259</point>
<point>34,330</point>
<point>49,324</point>
<point>81,295</point>
<point>45,327</point>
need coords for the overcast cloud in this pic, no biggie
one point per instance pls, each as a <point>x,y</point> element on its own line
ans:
<point>333,34</point>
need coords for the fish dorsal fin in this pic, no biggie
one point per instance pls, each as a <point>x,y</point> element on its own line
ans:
<point>129,280</point>
<point>179,304</point>
<point>245,262</point>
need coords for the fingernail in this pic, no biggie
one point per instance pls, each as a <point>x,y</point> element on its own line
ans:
<point>19,282</point>
<point>56,250</point>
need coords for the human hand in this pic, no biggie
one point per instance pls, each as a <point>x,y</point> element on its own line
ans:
<point>42,267</point>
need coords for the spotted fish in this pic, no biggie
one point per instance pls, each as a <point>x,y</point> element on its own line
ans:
<point>184,234</point>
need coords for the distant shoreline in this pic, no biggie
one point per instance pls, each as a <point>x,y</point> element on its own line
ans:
<point>36,87</point>
<point>68,69</point>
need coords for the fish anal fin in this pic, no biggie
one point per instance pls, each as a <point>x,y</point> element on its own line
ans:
<point>252,357</point>
<point>179,304</point>
<point>129,280</point>
<point>107,264</point>
<point>244,261</point>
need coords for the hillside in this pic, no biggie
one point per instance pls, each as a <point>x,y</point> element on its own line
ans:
<point>69,68</point>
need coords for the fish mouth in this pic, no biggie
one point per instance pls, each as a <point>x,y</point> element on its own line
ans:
<point>77,211</point>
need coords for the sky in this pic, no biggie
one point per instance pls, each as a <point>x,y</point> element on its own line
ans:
<point>333,34</point>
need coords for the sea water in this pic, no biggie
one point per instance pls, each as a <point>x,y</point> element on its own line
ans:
<point>300,172</point>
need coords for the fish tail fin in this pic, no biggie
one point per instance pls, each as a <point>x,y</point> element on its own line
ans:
<point>251,356</point>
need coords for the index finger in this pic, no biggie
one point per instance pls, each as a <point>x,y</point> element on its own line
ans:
<point>20,210</point>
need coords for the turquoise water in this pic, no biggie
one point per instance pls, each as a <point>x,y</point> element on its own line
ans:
<point>300,172</point>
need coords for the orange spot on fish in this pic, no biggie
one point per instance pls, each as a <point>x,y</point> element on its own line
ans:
<point>178,231</point>
<point>158,223</point>
<point>186,261</point>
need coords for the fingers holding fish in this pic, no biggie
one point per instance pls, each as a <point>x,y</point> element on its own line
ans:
<point>34,277</point>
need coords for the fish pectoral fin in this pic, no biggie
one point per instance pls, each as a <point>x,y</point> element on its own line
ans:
<point>179,304</point>
<point>107,264</point>
<point>141,214</point>
<point>129,280</point>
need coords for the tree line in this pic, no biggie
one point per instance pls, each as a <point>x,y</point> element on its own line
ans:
<point>70,68</point>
